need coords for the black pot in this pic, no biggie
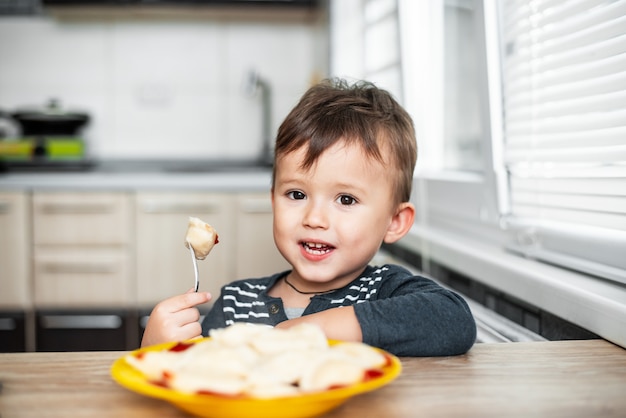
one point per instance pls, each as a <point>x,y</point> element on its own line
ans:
<point>50,121</point>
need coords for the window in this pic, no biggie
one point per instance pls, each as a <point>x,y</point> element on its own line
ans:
<point>520,114</point>
<point>463,130</point>
<point>366,45</point>
<point>382,46</point>
<point>446,77</point>
<point>528,150</point>
<point>564,81</point>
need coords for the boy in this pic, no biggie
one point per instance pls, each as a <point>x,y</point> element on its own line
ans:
<point>344,161</point>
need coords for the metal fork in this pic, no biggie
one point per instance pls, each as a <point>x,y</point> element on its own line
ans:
<point>195,265</point>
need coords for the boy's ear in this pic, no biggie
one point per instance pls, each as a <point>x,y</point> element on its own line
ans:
<point>401,223</point>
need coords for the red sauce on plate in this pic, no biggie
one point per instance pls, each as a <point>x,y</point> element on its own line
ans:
<point>181,346</point>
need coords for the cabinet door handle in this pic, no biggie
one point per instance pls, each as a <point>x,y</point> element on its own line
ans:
<point>78,268</point>
<point>75,209</point>
<point>81,321</point>
<point>184,208</point>
<point>256,206</point>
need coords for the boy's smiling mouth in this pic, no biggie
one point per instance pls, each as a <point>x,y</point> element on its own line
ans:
<point>316,248</point>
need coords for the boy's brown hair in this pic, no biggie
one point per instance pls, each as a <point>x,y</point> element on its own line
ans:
<point>360,113</point>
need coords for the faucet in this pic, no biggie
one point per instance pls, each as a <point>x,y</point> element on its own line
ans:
<point>256,83</point>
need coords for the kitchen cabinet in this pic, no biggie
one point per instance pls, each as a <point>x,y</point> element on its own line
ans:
<point>15,251</point>
<point>256,253</point>
<point>80,269</point>
<point>15,290</point>
<point>82,250</point>
<point>164,264</point>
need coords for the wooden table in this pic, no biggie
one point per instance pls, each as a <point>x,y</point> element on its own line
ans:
<point>550,379</point>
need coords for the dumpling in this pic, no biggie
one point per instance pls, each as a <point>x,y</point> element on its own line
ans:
<point>360,354</point>
<point>155,364</point>
<point>201,236</point>
<point>239,333</point>
<point>330,373</point>
<point>301,337</point>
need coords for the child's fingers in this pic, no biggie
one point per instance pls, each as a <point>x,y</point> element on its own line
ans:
<point>190,331</point>
<point>187,316</point>
<point>187,300</point>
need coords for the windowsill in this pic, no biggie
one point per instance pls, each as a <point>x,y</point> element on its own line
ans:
<point>596,305</point>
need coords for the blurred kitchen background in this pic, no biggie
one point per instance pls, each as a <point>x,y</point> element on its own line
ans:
<point>161,79</point>
<point>121,118</point>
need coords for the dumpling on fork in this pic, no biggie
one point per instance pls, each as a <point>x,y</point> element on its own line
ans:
<point>201,236</point>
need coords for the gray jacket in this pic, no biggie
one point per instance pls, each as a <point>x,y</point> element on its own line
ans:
<point>404,314</point>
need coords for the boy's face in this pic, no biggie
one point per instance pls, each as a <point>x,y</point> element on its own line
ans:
<point>330,220</point>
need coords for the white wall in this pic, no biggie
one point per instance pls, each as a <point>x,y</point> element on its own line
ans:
<point>161,89</point>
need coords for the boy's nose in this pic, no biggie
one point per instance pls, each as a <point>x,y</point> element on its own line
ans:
<point>315,215</point>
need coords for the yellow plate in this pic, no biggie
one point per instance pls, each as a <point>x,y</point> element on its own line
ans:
<point>215,406</point>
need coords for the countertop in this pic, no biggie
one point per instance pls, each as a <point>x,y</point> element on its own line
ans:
<point>131,175</point>
<point>535,379</point>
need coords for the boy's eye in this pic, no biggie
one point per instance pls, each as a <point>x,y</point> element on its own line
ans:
<point>296,195</point>
<point>347,200</point>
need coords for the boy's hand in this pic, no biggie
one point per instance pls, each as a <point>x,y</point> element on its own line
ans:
<point>338,323</point>
<point>175,319</point>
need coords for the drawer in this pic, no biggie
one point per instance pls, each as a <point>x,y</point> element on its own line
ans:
<point>82,277</point>
<point>81,218</point>
<point>12,332</point>
<point>86,330</point>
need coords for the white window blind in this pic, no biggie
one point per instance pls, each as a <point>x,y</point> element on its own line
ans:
<point>564,89</point>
